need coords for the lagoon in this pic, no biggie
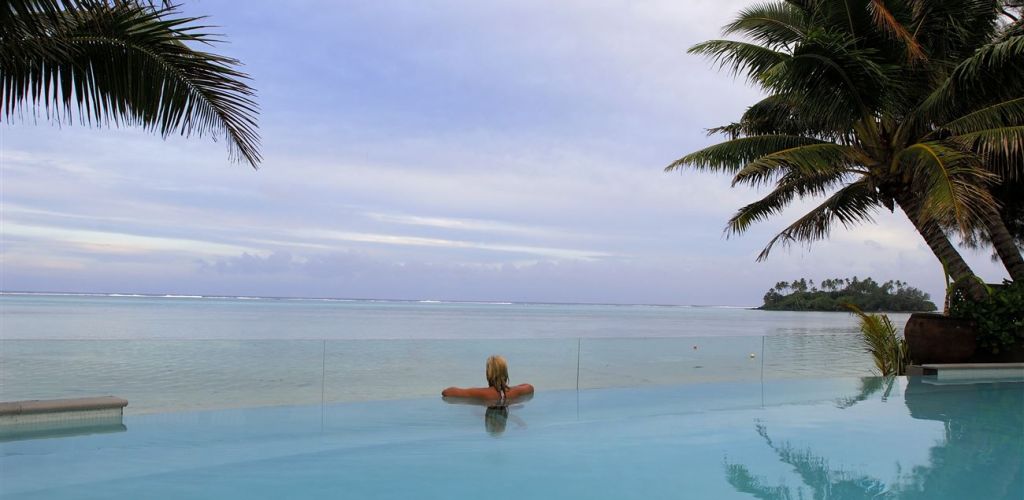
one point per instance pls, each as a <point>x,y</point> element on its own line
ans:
<point>194,353</point>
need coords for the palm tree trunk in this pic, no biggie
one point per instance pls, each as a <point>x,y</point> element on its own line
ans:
<point>940,245</point>
<point>1004,245</point>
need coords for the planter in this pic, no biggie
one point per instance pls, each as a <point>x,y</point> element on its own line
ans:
<point>934,338</point>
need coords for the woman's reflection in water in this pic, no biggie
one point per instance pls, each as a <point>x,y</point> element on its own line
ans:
<point>495,420</point>
<point>496,417</point>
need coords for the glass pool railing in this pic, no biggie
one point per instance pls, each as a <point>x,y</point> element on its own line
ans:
<point>178,375</point>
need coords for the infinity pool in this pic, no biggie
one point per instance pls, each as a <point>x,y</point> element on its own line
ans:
<point>833,438</point>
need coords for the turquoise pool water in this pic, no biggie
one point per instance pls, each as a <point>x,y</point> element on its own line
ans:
<point>831,438</point>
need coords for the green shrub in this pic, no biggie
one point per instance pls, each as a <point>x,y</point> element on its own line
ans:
<point>883,343</point>
<point>999,318</point>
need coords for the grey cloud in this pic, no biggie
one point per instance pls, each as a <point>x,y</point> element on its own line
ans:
<point>474,133</point>
<point>277,262</point>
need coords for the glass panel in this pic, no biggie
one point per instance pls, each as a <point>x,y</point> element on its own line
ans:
<point>391,369</point>
<point>164,375</point>
<point>638,362</point>
<point>816,356</point>
<point>172,375</point>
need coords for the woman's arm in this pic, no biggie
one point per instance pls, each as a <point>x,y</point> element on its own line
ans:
<point>473,392</point>
<point>487,392</point>
<point>518,391</point>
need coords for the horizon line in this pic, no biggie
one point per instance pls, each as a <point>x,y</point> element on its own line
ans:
<point>352,299</point>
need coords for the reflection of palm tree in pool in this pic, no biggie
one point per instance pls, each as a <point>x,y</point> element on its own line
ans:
<point>868,386</point>
<point>813,470</point>
<point>975,460</point>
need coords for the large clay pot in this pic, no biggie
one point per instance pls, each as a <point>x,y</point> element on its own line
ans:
<point>934,338</point>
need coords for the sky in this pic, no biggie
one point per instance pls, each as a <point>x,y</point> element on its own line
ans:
<point>443,150</point>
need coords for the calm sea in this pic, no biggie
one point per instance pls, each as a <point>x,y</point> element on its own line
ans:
<point>175,353</point>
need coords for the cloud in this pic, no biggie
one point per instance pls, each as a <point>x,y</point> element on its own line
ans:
<point>117,242</point>
<point>401,240</point>
<point>507,150</point>
<point>277,262</point>
<point>462,224</point>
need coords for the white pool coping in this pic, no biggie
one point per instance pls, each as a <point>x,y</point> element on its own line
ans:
<point>61,410</point>
<point>987,372</point>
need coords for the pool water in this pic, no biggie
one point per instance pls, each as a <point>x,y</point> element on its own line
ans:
<point>829,438</point>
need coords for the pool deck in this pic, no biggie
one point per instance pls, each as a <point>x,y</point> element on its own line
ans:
<point>969,372</point>
<point>61,412</point>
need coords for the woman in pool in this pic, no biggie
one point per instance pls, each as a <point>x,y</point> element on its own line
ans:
<point>497,385</point>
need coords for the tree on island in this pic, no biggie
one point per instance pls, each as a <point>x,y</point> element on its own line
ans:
<point>840,293</point>
<point>870,104</point>
<point>126,62</point>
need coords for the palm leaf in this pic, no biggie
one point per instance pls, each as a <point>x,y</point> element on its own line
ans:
<point>951,182</point>
<point>1002,147</point>
<point>888,24</point>
<point>998,115</point>
<point>775,25</point>
<point>992,74</point>
<point>782,114</point>
<point>880,339</point>
<point>808,160</point>
<point>127,63</point>
<point>730,156</point>
<point>741,57</point>
<point>849,206</point>
<point>791,186</point>
<point>833,78</point>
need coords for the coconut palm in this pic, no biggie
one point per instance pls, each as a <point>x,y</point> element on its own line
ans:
<point>875,104</point>
<point>1010,195</point>
<point>122,62</point>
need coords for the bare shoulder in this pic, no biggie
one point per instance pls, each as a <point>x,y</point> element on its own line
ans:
<point>519,390</point>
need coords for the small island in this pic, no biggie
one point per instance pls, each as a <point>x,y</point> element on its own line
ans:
<point>836,294</point>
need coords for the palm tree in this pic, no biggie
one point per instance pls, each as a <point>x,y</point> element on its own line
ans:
<point>872,105</point>
<point>1010,195</point>
<point>122,62</point>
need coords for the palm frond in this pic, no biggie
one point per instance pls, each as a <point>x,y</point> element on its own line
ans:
<point>992,74</point>
<point>790,186</point>
<point>744,58</point>
<point>951,182</point>
<point>782,114</point>
<point>834,80</point>
<point>995,56</point>
<point>807,160</point>
<point>775,114</point>
<point>776,25</point>
<point>733,130</point>
<point>880,339</point>
<point>1002,149</point>
<point>730,156</point>
<point>128,63</point>
<point>851,205</point>
<point>999,115</point>
<point>888,24</point>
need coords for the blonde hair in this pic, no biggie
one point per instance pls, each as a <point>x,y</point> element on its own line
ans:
<point>497,373</point>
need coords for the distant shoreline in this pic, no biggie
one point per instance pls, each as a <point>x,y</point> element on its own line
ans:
<point>351,299</point>
<point>842,312</point>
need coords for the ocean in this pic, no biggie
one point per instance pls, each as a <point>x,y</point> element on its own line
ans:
<point>174,353</point>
